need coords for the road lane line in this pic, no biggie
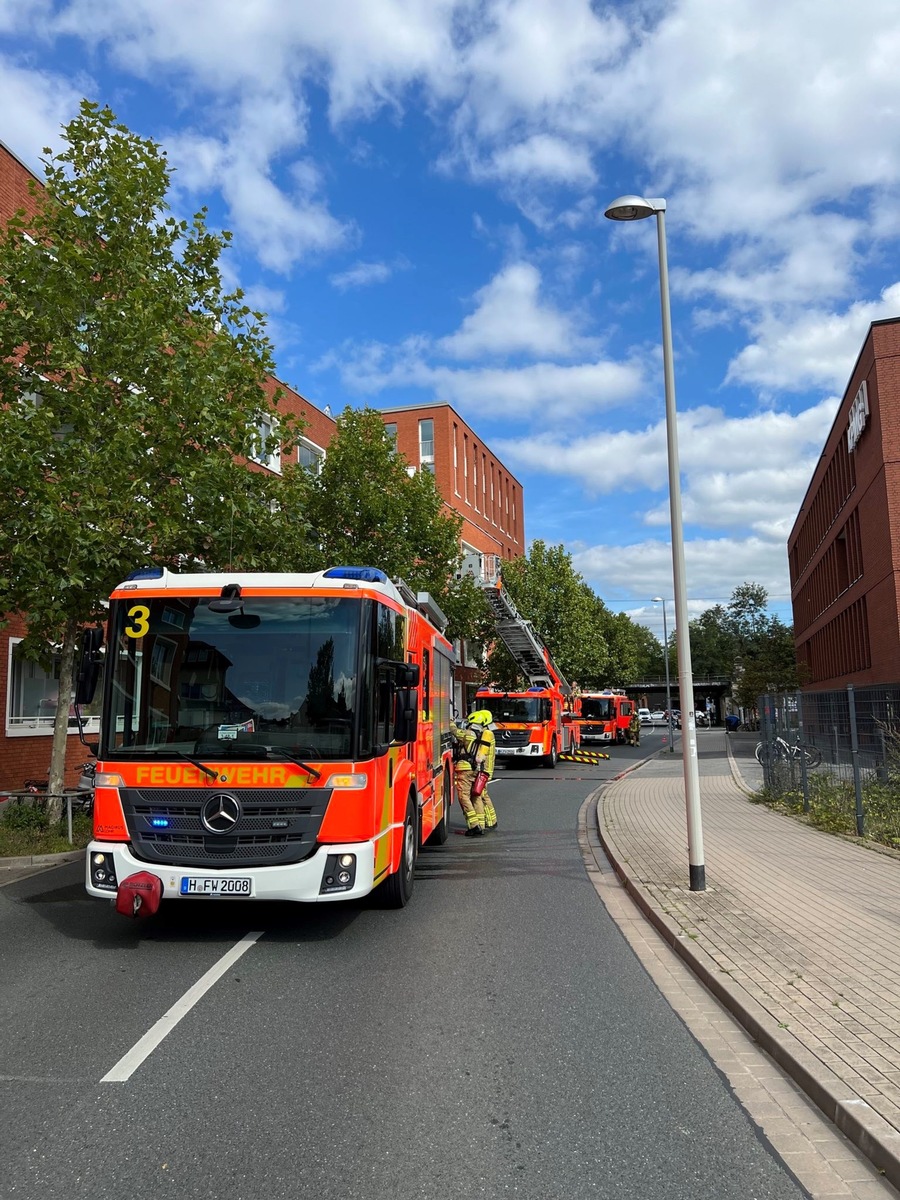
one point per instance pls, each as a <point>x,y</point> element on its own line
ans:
<point>129,1063</point>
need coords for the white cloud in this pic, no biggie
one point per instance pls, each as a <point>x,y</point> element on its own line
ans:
<point>511,319</point>
<point>283,222</point>
<point>540,157</point>
<point>739,472</point>
<point>364,274</point>
<point>35,104</point>
<point>713,568</point>
<point>818,349</point>
<point>523,392</point>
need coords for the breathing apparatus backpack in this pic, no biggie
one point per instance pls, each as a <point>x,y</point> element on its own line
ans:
<point>469,752</point>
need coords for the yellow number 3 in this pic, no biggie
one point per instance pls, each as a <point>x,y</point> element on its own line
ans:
<point>140,615</point>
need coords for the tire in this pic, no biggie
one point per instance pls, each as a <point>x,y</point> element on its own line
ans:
<point>813,755</point>
<point>549,760</point>
<point>759,752</point>
<point>398,887</point>
<point>441,831</point>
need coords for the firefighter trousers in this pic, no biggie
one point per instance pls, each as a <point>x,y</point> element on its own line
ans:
<point>478,810</point>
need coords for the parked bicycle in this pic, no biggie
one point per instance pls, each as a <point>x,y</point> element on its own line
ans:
<point>778,750</point>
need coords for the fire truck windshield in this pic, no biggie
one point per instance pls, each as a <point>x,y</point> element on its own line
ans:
<point>273,676</point>
<point>510,709</point>
<point>595,709</point>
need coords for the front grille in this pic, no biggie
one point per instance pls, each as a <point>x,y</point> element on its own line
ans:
<point>512,737</point>
<point>275,825</point>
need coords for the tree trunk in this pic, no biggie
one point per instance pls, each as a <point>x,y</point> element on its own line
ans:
<point>61,722</point>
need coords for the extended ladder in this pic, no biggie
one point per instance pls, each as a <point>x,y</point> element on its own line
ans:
<point>531,655</point>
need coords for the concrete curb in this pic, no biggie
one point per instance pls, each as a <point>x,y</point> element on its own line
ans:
<point>875,1137</point>
<point>41,860</point>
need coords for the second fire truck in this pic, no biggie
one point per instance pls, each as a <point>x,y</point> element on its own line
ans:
<point>533,725</point>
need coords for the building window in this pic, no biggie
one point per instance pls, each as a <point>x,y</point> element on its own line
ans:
<point>390,428</point>
<point>267,450</point>
<point>426,444</point>
<point>32,694</point>
<point>456,460</point>
<point>310,456</point>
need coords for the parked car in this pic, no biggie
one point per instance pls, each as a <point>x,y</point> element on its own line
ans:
<point>658,717</point>
<point>645,715</point>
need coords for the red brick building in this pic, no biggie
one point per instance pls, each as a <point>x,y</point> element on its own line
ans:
<point>844,548</point>
<point>469,475</point>
<point>475,483</point>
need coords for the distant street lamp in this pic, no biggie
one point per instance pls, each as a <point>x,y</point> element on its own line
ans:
<point>659,600</point>
<point>635,208</point>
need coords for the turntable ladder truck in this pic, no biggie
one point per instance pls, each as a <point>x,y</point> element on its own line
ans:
<point>534,725</point>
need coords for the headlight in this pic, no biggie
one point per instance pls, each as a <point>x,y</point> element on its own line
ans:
<point>347,782</point>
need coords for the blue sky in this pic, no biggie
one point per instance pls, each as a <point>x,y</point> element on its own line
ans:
<point>416,190</point>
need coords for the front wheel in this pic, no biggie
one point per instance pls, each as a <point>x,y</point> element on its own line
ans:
<point>399,886</point>
<point>550,759</point>
<point>813,755</point>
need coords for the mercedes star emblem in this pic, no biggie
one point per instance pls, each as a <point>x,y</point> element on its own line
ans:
<point>220,813</point>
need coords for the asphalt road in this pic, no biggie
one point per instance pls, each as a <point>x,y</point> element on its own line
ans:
<point>495,1038</point>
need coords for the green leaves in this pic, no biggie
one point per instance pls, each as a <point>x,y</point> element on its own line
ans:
<point>742,641</point>
<point>131,385</point>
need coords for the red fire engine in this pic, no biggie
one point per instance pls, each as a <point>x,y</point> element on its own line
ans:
<point>603,716</point>
<point>268,737</point>
<point>534,725</point>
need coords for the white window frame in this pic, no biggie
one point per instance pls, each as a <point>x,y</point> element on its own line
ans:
<point>267,432</point>
<point>36,725</point>
<point>426,459</point>
<point>318,451</point>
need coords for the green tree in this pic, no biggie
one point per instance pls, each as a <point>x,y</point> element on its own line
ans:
<point>368,507</point>
<point>565,613</point>
<point>769,664</point>
<point>634,652</point>
<point>131,387</point>
<point>743,641</point>
<point>712,643</point>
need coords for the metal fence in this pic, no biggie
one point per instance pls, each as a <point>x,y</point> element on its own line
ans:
<point>838,753</point>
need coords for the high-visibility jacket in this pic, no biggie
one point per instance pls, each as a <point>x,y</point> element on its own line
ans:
<point>478,748</point>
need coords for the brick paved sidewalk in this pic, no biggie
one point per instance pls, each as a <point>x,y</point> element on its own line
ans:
<point>797,932</point>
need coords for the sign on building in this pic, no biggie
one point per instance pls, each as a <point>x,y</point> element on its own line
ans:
<point>859,415</point>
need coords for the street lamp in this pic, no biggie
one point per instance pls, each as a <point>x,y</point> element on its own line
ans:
<point>659,600</point>
<point>635,208</point>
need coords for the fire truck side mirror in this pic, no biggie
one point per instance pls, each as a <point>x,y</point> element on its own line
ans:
<point>406,725</point>
<point>408,675</point>
<point>89,666</point>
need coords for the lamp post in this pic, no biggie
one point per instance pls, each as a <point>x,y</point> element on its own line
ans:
<point>636,208</point>
<point>660,600</point>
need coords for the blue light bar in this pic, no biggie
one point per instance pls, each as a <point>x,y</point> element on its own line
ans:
<point>146,573</point>
<point>159,822</point>
<point>363,574</point>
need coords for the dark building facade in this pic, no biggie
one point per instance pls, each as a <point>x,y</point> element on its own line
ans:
<point>844,548</point>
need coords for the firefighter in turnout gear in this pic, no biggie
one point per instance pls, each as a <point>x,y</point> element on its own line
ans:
<point>634,730</point>
<point>475,750</point>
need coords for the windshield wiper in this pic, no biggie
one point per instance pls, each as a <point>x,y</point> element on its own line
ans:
<point>157,751</point>
<point>297,762</point>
